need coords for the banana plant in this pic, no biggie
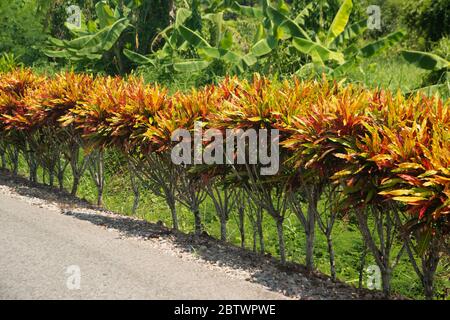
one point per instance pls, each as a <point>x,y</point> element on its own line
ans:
<point>174,43</point>
<point>334,51</point>
<point>181,37</point>
<point>439,67</point>
<point>95,38</point>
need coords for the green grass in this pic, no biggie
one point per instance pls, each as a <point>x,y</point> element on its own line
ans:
<point>390,71</point>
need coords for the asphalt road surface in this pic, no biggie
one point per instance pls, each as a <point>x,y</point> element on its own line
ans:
<point>47,255</point>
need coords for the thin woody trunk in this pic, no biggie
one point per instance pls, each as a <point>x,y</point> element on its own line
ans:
<point>332,260</point>
<point>259,226</point>
<point>173,212</point>
<point>197,220</point>
<point>13,155</point>
<point>430,260</point>
<point>281,244</point>
<point>78,167</point>
<point>242,226</point>
<point>51,177</point>
<point>381,254</point>
<point>32,165</point>
<point>223,227</point>
<point>60,173</point>
<point>255,236</point>
<point>171,203</point>
<point>3,158</point>
<point>310,233</point>
<point>75,184</point>
<point>61,180</point>
<point>362,264</point>
<point>97,172</point>
<point>137,195</point>
<point>308,220</point>
<point>386,274</point>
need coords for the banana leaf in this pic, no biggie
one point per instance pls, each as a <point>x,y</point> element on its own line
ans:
<point>247,11</point>
<point>288,26</point>
<point>191,66</point>
<point>351,32</point>
<point>425,60</point>
<point>340,21</point>
<point>382,44</point>
<point>105,14</point>
<point>264,46</point>
<point>316,50</point>
<point>181,17</point>
<point>193,37</point>
<point>304,14</point>
<point>138,58</point>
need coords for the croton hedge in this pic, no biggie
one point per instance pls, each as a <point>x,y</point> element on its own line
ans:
<point>382,153</point>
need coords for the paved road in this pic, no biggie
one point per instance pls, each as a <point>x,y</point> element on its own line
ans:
<point>38,248</point>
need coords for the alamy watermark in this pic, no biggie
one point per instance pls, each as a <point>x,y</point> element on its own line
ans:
<point>373,277</point>
<point>236,146</point>
<point>74,13</point>
<point>374,17</point>
<point>73,281</point>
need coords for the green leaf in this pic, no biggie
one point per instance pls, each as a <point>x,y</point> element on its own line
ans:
<point>232,57</point>
<point>56,53</point>
<point>305,13</point>
<point>250,59</point>
<point>217,21</point>
<point>409,199</point>
<point>222,54</point>
<point>190,65</point>
<point>105,14</point>
<point>345,67</point>
<point>182,15</point>
<point>264,46</point>
<point>92,27</point>
<point>138,58</point>
<point>432,89</point>
<point>260,33</point>
<point>425,60</point>
<point>340,21</point>
<point>351,32</point>
<point>109,37</point>
<point>56,42</point>
<point>83,42</point>
<point>247,11</point>
<point>316,50</point>
<point>193,37</point>
<point>93,46</point>
<point>209,53</point>
<point>227,41</point>
<point>382,44</point>
<point>288,26</point>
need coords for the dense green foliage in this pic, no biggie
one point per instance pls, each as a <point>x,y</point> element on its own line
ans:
<point>429,18</point>
<point>21,29</point>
